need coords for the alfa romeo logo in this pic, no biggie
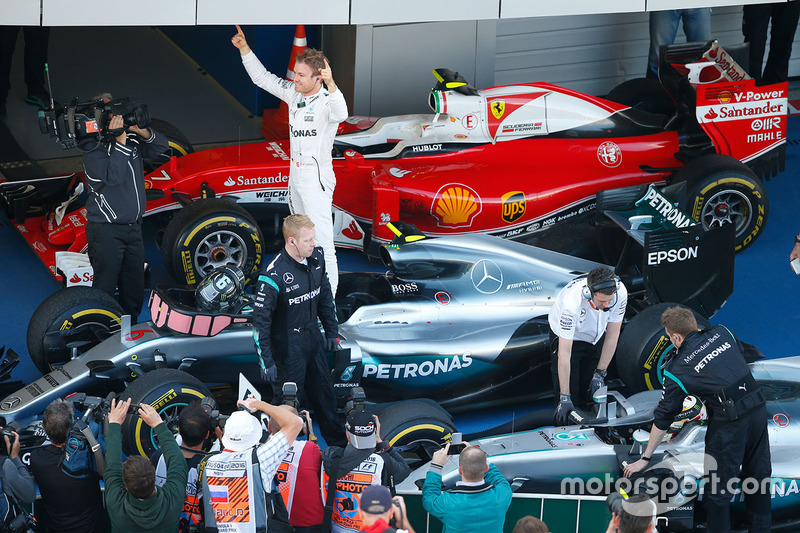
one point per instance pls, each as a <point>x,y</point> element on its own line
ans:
<point>487,276</point>
<point>609,154</point>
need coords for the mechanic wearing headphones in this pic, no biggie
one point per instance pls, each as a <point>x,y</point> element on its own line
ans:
<point>588,309</point>
<point>314,117</point>
<point>710,365</point>
<point>292,292</point>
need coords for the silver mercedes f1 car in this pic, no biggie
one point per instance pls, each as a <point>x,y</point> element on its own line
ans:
<point>586,459</point>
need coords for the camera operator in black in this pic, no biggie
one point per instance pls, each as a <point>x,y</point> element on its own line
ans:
<point>292,292</point>
<point>710,365</point>
<point>15,479</point>
<point>116,203</point>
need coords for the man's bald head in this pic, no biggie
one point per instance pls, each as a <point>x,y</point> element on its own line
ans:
<point>472,463</point>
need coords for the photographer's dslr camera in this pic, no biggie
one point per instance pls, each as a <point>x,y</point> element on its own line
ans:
<point>84,125</point>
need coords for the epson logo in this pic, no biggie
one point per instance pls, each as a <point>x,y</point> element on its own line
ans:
<point>675,255</point>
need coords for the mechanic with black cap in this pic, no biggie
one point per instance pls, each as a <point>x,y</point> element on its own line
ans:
<point>116,203</point>
<point>710,365</point>
<point>586,310</point>
<point>292,293</point>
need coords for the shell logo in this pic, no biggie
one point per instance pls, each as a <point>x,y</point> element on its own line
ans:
<point>724,97</point>
<point>456,205</point>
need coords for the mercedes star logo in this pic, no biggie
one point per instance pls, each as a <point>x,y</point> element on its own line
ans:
<point>487,276</point>
<point>288,278</point>
<point>10,402</point>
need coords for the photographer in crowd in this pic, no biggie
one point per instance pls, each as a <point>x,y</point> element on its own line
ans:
<point>366,460</point>
<point>133,503</point>
<point>633,515</point>
<point>478,502</point>
<point>116,202</point>
<point>194,428</point>
<point>16,482</point>
<point>299,475</point>
<point>238,481</point>
<point>69,504</point>
<point>380,513</point>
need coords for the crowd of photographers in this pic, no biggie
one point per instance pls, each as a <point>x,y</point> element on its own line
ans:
<point>248,473</point>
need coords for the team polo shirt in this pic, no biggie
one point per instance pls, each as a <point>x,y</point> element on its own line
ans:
<point>574,317</point>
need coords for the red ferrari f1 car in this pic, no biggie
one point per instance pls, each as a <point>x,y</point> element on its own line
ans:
<point>524,162</point>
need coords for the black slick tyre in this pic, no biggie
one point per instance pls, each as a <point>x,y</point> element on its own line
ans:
<point>168,390</point>
<point>643,347</point>
<point>722,190</point>
<point>78,317</point>
<point>179,145</point>
<point>417,427</point>
<point>209,233</point>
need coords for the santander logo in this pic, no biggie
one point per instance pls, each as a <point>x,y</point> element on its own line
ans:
<point>352,231</point>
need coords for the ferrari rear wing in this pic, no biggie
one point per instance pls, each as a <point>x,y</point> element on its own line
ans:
<point>670,258</point>
<point>719,107</point>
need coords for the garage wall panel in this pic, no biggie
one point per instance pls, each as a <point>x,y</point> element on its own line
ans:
<point>592,53</point>
<point>20,12</point>
<point>256,12</point>
<point>660,5</point>
<point>118,13</point>
<point>393,12</point>
<point>527,8</point>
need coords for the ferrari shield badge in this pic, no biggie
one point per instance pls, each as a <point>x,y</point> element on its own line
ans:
<point>498,108</point>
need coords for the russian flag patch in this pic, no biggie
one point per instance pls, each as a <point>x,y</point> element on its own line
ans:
<point>218,493</point>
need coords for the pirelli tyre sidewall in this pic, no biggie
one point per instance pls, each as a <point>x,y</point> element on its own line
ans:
<point>420,426</point>
<point>168,390</point>
<point>723,190</point>
<point>643,347</point>
<point>209,233</point>
<point>81,316</point>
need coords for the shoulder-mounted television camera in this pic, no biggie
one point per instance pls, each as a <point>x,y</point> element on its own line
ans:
<point>84,125</point>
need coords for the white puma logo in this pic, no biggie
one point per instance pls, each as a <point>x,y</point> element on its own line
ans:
<point>743,387</point>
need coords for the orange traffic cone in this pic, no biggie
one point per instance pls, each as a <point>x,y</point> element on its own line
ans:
<point>275,122</point>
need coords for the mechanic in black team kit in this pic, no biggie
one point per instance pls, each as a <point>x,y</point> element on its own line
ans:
<point>586,310</point>
<point>292,292</point>
<point>709,364</point>
<point>116,203</point>
<point>314,117</point>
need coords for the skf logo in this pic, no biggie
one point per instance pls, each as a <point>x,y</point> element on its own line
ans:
<point>513,205</point>
<point>724,97</point>
<point>609,154</point>
<point>456,205</point>
<point>498,108</point>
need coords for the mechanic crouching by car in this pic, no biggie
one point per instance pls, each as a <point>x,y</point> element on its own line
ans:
<point>365,461</point>
<point>292,294</point>
<point>116,203</point>
<point>588,309</point>
<point>16,483</point>
<point>709,364</point>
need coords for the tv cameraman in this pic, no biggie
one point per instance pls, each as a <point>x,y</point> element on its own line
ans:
<point>116,202</point>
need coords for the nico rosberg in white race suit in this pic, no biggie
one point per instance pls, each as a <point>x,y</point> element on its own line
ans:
<point>314,116</point>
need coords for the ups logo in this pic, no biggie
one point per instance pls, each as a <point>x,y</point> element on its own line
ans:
<point>513,205</point>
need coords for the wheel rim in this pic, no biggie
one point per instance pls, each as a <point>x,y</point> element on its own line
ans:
<point>727,207</point>
<point>218,249</point>
<point>87,335</point>
<point>170,415</point>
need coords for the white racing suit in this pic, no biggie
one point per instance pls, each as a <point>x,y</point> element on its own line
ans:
<point>313,122</point>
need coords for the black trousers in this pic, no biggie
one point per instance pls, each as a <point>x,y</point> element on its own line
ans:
<point>582,363</point>
<point>116,252</point>
<point>36,42</point>
<point>742,442</point>
<point>306,365</point>
<point>755,20</point>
